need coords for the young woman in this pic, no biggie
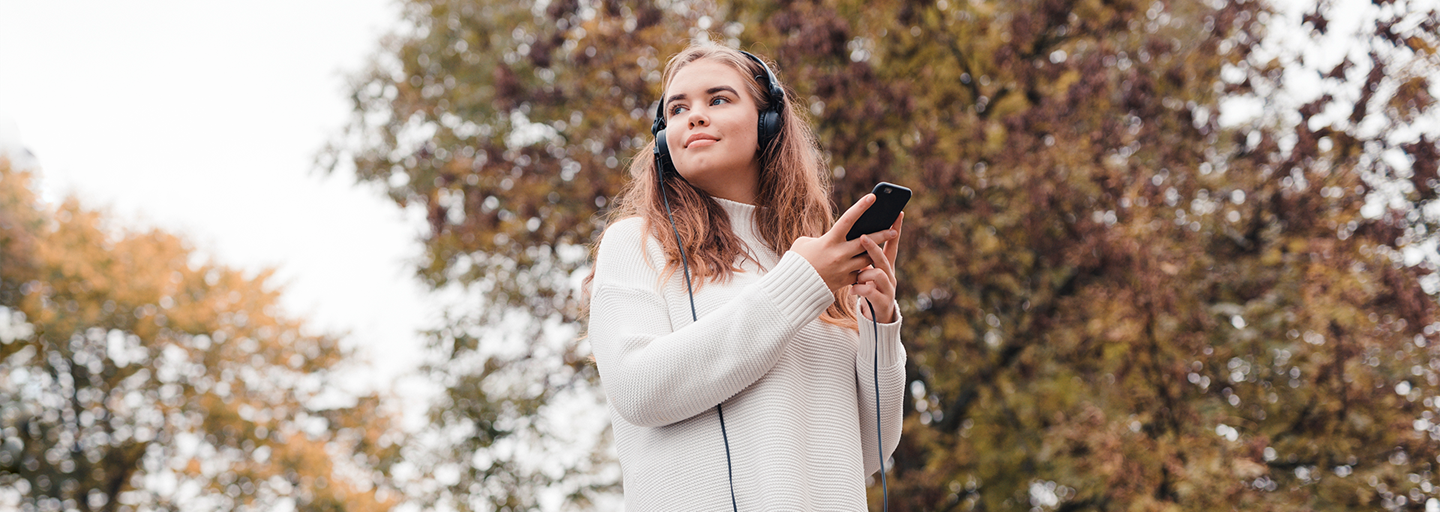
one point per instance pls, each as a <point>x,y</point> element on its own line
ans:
<point>767,402</point>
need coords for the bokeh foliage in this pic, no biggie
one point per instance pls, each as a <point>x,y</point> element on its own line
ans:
<point>134,377</point>
<point>1113,300</point>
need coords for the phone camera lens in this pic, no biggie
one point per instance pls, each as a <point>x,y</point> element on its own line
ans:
<point>887,191</point>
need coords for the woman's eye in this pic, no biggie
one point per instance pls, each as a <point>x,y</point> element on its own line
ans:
<point>680,109</point>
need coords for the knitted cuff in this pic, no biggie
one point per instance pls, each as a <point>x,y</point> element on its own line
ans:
<point>797,289</point>
<point>892,352</point>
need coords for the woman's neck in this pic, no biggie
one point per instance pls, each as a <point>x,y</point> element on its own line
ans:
<point>747,198</point>
<point>742,186</point>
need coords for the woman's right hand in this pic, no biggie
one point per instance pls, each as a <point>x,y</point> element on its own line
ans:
<point>836,259</point>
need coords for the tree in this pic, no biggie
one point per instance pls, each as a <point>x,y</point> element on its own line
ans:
<point>444,118</point>
<point>133,377</point>
<point>1113,298</point>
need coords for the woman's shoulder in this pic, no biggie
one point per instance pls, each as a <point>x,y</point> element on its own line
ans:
<point>629,232</point>
<point>627,241</point>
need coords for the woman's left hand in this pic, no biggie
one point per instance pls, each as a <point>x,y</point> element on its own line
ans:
<point>877,282</point>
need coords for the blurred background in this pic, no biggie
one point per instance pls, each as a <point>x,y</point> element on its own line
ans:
<point>328,255</point>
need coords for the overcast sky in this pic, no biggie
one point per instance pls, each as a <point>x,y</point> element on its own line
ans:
<point>203,118</point>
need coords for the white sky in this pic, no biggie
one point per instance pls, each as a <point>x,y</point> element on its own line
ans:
<point>203,118</point>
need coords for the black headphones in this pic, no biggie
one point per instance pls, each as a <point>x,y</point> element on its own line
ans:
<point>768,129</point>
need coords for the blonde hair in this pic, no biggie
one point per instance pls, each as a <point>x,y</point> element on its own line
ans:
<point>793,188</point>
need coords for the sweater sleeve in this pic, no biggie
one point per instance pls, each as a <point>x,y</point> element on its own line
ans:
<point>655,374</point>
<point>891,355</point>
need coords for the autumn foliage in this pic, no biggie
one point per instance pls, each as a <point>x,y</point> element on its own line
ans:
<point>1144,269</point>
<point>135,377</point>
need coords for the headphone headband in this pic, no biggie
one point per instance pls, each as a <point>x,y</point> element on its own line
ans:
<point>772,85</point>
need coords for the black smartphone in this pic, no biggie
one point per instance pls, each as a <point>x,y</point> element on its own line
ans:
<point>889,200</point>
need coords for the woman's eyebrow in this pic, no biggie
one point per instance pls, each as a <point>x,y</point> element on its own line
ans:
<point>712,90</point>
<point>719,88</point>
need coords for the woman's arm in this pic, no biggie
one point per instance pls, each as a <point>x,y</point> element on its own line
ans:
<point>654,374</point>
<point>892,387</point>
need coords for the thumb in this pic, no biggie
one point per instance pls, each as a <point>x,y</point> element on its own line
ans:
<point>847,220</point>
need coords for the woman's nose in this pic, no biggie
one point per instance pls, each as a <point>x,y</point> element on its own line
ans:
<point>697,118</point>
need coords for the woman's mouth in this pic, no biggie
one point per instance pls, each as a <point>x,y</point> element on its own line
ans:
<point>700,140</point>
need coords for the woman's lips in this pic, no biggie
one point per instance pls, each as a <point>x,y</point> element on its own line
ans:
<point>702,143</point>
<point>704,139</point>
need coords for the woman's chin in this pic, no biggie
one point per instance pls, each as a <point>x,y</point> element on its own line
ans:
<point>699,171</point>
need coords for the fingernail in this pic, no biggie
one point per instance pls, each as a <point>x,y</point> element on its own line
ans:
<point>891,233</point>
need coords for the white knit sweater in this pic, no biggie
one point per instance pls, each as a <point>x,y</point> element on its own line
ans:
<point>798,393</point>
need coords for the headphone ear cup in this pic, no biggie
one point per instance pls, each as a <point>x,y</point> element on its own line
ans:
<point>662,154</point>
<point>769,127</point>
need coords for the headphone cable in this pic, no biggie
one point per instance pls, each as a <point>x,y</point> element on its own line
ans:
<point>729,468</point>
<point>879,442</point>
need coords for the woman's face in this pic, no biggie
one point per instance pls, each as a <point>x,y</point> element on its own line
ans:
<point>711,123</point>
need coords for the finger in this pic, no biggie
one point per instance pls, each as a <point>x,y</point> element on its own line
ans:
<point>869,292</point>
<point>877,253</point>
<point>847,220</point>
<point>859,262</point>
<point>892,247</point>
<point>868,287</point>
<point>857,246</point>
<point>867,251</point>
<point>881,257</point>
<point>877,279</point>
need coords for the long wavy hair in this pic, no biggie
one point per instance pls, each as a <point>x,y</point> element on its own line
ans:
<point>794,195</point>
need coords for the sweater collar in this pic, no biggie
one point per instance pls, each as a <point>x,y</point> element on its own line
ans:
<point>741,214</point>
<point>742,218</point>
<point>742,221</point>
